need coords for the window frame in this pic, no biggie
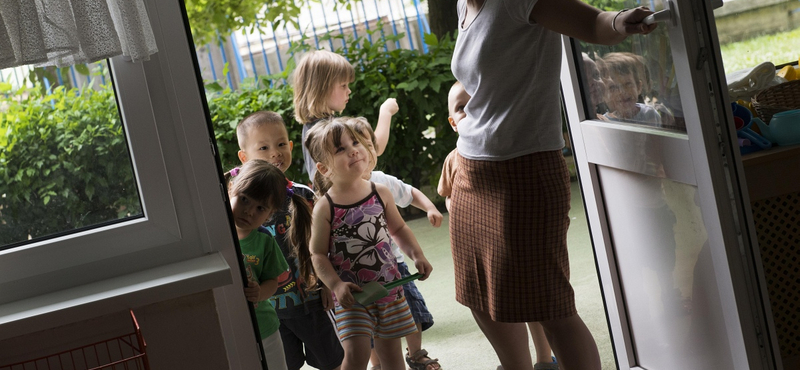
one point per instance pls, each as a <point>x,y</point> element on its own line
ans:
<point>185,243</point>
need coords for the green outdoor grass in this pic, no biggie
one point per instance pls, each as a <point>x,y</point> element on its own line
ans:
<point>778,48</point>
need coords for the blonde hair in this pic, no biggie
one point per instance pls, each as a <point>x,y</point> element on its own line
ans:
<point>323,139</point>
<point>623,63</point>
<point>315,77</point>
<point>255,120</point>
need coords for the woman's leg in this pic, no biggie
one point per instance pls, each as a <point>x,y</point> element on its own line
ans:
<point>356,353</point>
<point>572,343</point>
<point>390,354</point>
<point>509,340</point>
<point>543,351</point>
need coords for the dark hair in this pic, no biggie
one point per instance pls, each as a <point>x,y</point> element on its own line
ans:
<point>256,119</point>
<point>263,182</point>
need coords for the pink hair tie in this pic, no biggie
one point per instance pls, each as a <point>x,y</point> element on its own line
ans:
<point>234,172</point>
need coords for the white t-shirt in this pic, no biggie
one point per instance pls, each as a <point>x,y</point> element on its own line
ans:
<point>511,68</point>
<point>402,197</point>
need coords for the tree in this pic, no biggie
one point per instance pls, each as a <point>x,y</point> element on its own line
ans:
<point>443,17</point>
<point>211,18</point>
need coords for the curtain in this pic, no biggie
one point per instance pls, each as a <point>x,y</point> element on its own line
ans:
<point>65,32</point>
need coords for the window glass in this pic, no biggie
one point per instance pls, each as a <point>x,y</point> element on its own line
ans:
<point>634,81</point>
<point>64,159</point>
<point>752,32</point>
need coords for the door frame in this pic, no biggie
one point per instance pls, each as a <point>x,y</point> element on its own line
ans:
<point>717,173</point>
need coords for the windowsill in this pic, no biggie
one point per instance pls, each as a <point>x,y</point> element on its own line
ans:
<point>113,295</point>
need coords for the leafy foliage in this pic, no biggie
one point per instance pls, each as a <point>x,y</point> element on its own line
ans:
<point>228,108</point>
<point>210,18</point>
<point>420,137</point>
<point>63,163</point>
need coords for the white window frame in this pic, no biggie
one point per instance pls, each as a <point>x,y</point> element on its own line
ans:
<point>185,241</point>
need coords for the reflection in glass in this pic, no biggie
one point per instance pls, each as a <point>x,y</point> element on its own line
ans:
<point>632,82</point>
<point>667,276</point>
<point>64,160</point>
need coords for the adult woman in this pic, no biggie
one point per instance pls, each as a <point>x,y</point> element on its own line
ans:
<point>510,199</point>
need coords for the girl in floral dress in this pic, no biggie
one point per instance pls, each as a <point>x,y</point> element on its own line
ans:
<point>353,226</point>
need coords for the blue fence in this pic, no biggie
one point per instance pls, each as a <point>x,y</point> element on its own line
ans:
<point>250,53</point>
<point>253,53</point>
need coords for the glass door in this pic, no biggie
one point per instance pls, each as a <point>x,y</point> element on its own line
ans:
<point>649,122</point>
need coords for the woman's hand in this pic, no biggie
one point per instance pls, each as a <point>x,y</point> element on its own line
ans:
<point>629,22</point>
<point>343,295</point>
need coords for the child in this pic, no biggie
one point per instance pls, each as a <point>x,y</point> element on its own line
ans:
<point>624,87</point>
<point>404,195</point>
<point>456,101</point>
<point>353,229</point>
<point>321,89</point>
<point>256,191</point>
<point>306,328</point>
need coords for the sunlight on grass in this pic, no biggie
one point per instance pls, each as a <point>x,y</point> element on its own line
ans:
<point>778,48</point>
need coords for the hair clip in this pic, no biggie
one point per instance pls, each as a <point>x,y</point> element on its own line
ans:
<point>289,189</point>
<point>234,172</point>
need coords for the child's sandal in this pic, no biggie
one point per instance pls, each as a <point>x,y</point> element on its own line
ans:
<point>417,361</point>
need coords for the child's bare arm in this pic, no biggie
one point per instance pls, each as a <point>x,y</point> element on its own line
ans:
<point>402,234</point>
<point>320,239</point>
<point>422,202</point>
<point>382,129</point>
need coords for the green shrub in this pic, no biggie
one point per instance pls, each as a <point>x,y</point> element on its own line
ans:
<point>228,107</point>
<point>420,137</point>
<point>64,163</point>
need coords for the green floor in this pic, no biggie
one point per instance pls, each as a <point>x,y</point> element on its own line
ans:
<point>455,338</point>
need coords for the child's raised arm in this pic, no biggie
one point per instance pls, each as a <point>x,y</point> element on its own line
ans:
<point>382,129</point>
<point>402,234</point>
<point>422,202</point>
<point>320,240</point>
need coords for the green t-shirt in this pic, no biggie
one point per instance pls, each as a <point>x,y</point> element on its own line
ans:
<point>264,261</point>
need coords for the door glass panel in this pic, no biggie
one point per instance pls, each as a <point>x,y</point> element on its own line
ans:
<point>666,272</point>
<point>633,82</point>
<point>64,159</point>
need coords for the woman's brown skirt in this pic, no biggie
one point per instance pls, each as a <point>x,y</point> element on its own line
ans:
<point>508,231</point>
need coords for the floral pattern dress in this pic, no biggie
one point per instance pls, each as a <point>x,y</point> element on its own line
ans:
<point>361,247</point>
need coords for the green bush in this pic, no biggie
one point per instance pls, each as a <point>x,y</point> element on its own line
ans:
<point>229,107</point>
<point>420,137</point>
<point>64,163</point>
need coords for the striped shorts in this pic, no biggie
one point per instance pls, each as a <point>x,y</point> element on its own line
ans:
<point>378,320</point>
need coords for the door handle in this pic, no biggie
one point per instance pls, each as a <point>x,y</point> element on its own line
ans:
<point>659,16</point>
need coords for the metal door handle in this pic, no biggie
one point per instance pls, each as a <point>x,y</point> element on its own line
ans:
<point>659,16</point>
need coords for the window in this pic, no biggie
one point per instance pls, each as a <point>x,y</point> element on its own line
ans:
<point>65,161</point>
<point>182,243</point>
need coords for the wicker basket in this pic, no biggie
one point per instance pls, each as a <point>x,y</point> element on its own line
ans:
<point>775,99</point>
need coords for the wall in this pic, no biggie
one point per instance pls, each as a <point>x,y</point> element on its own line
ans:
<point>182,333</point>
<point>742,19</point>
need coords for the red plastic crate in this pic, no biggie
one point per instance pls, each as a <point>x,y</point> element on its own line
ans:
<point>125,352</point>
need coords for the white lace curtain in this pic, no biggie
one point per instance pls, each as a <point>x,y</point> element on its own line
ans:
<point>67,32</point>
